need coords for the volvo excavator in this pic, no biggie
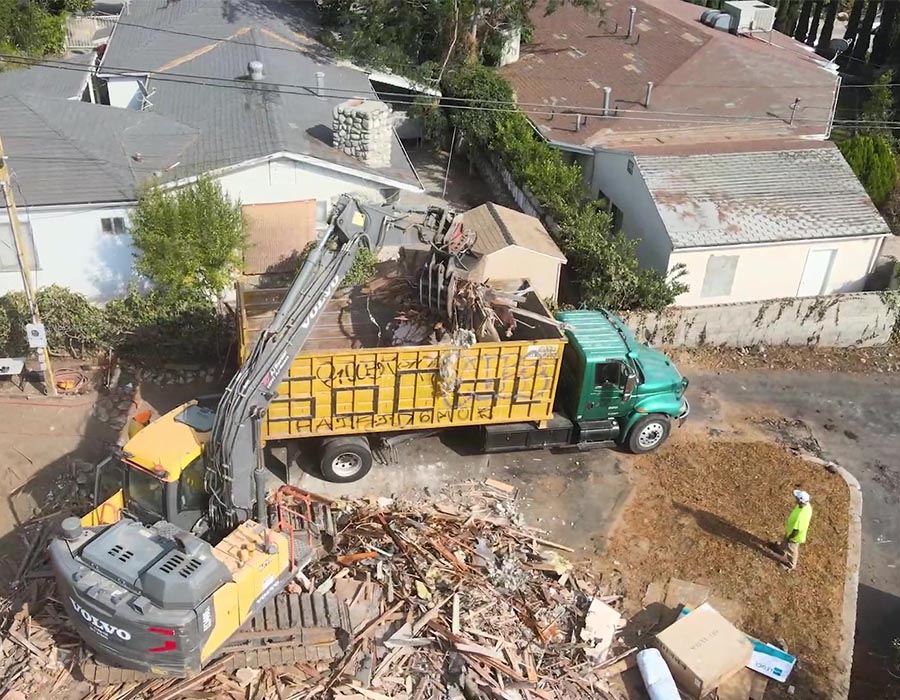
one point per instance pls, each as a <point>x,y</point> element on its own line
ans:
<point>188,560</point>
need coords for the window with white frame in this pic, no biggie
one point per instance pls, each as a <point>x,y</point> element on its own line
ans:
<point>9,261</point>
<point>113,225</point>
<point>719,277</point>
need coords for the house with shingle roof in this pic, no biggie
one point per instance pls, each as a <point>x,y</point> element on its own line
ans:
<point>707,146</point>
<point>231,89</point>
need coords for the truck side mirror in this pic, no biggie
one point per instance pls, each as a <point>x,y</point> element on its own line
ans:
<point>630,384</point>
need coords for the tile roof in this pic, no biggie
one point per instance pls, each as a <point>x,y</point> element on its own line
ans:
<point>499,227</point>
<point>57,157</point>
<point>734,198</point>
<point>46,80</point>
<point>748,84</point>
<point>216,39</point>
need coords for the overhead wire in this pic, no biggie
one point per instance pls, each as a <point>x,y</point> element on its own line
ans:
<point>405,99</point>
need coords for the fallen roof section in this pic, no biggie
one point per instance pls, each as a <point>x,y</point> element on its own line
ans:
<point>759,197</point>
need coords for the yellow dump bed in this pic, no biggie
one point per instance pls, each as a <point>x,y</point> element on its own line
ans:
<point>375,389</point>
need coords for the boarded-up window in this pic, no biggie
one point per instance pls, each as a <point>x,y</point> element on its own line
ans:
<point>719,276</point>
<point>8,260</point>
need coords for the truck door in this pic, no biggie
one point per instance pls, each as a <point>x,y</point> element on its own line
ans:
<point>606,399</point>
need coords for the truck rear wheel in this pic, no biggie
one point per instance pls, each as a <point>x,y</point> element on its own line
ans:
<point>345,459</point>
<point>649,433</point>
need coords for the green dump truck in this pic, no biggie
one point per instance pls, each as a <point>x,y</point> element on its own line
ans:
<point>584,384</point>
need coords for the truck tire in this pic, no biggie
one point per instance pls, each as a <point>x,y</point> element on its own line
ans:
<point>345,459</point>
<point>649,433</point>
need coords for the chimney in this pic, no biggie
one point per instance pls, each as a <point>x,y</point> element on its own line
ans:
<point>320,84</point>
<point>606,93</point>
<point>363,129</point>
<point>632,11</point>
<point>649,92</point>
<point>255,70</point>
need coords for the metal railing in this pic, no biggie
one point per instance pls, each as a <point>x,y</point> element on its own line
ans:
<point>81,29</point>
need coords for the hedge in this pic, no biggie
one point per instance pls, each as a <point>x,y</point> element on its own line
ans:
<point>604,264</point>
<point>139,327</point>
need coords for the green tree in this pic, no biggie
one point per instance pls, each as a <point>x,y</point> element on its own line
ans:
<point>28,28</point>
<point>879,109</point>
<point>874,163</point>
<point>604,266</point>
<point>188,240</point>
<point>420,38</point>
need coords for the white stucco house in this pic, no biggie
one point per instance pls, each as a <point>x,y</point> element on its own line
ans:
<point>709,148</point>
<point>791,221</point>
<point>172,98</point>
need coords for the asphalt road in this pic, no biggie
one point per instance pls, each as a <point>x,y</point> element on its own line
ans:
<point>855,420</point>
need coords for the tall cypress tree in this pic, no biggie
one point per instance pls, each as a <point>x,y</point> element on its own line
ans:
<point>803,22</point>
<point>861,45</point>
<point>814,24</point>
<point>881,46</point>
<point>827,27</point>
<point>853,20</point>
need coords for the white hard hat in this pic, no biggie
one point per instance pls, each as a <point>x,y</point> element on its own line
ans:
<point>801,496</point>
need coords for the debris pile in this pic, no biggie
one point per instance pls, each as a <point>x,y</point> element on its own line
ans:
<point>448,597</point>
<point>457,597</point>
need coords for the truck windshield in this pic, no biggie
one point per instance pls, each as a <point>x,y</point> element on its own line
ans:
<point>145,492</point>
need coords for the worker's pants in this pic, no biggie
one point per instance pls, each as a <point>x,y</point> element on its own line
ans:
<point>790,551</point>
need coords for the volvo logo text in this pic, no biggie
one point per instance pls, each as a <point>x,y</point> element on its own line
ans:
<point>103,628</point>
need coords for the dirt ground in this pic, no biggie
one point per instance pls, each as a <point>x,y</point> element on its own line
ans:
<point>877,360</point>
<point>705,510</point>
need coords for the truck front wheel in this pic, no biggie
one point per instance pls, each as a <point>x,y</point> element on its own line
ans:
<point>649,433</point>
<point>345,459</point>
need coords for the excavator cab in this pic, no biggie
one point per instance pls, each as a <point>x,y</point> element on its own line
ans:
<point>135,481</point>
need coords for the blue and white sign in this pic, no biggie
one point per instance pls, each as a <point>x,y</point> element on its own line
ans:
<point>771,661</point>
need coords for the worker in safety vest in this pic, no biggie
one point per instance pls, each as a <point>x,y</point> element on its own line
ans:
<point>795,530</point>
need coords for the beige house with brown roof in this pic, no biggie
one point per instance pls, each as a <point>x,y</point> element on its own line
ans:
<point>708,147</point>
<point>513,245</point>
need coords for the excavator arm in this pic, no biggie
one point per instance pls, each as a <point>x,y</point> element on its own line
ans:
<point>234,472</point>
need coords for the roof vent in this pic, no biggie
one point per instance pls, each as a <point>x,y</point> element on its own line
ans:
<point>717,20</point>
<point>255,69</point>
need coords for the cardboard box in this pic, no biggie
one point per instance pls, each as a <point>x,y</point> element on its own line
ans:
<point>702,650</point>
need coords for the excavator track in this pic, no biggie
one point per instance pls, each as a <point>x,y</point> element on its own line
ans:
<point>292,628</point>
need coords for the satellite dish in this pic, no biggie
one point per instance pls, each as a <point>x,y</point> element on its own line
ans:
<point>838,47</point>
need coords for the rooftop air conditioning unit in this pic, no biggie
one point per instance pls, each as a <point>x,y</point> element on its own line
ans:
<point>749,15</point>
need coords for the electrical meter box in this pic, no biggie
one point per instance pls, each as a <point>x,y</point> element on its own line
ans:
<point>37,336</point>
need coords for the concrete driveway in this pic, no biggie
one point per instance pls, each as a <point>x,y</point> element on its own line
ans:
<point>855,420</point>
<point>575,496</point>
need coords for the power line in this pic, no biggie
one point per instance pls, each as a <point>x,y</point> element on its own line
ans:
<point>404,99</point>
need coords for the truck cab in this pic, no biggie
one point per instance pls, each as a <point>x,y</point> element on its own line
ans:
<point>614,388</point>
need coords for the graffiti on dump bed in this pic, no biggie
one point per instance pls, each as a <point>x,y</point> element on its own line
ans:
<point>440,387</point>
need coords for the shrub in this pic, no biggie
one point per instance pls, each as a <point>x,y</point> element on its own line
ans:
<point>874,163</point>
<point>190,240</point>
<point>148,327</point>
<point>603,263</point>
<point>158,326</point>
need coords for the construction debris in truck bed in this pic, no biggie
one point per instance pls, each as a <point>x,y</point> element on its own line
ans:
<point>446,597</point>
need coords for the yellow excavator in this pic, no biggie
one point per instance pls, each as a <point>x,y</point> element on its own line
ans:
<point>186,559</point>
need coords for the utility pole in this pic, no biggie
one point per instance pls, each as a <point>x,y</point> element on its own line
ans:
<point>43,352</point>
